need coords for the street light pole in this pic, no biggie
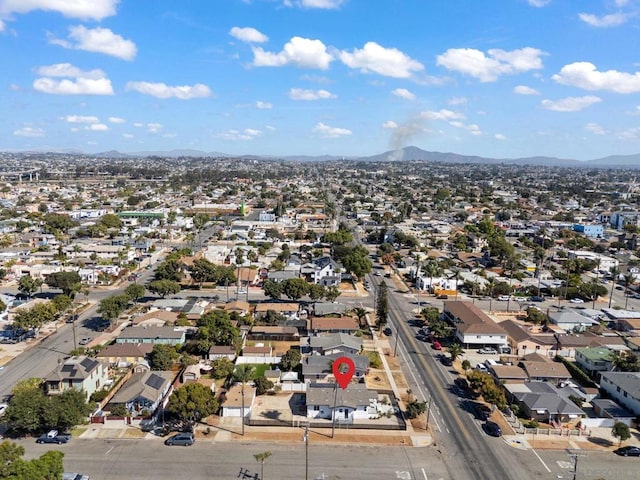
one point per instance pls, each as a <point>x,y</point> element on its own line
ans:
<point>306,452</point>
<point>428,411</point>
<point>333,413</point>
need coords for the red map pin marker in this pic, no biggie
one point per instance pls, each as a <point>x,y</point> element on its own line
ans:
<point>343,370</point>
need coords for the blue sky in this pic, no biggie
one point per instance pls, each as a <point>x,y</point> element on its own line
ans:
<point>495,78</point>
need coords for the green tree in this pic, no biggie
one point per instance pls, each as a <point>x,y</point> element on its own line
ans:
<point>135,291</point>
<point>382,306</point>
<point>290,360</point>
<point>221,368</point>
<point>9,453</point>
<point>193,402</point>
<point>28,285</point>
<point>415,408</point>
<point>466,365</point>
<point>164,287</point>
<point>263,385</point>
<point>66,410</point>
<point>332,293</point>
<point>110,220</point>
<point>455,350</point>
<point>170,269</point>
<point>262,457</point>
<point>316,292</point>
<point>202,271</point>
<point>13,467</point>
<point>357,262</point>
<point>68,282</point>
<point>621,431</point>
<point>295,288</point>
<point>163,357</point>
<point>58,222</point>
<point>215,328</point>
<point>112,307</point>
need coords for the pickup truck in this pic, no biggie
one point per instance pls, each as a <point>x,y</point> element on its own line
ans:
<point>52,436</point>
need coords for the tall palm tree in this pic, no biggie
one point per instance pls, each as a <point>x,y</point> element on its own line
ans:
<point>244,373</point>
<point>629,279</point>
<point>262,457</point>
<point>432,269</point>
<point>455,350</point>
<point>360,313</point>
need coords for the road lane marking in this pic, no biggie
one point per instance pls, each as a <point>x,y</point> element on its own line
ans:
<point>424,473</point>
<point>541,461</point>
<point>109,451</point>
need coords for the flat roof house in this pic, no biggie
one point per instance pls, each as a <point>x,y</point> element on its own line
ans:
<point>153,335</point>
<point>624,388</point>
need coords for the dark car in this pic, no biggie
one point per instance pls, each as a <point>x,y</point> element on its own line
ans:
<point>536,298</point>
<point>52,436</point>
<point>388,332</point>
<point>182,439</point>
<point>446,361</point>
<point>482,411</point>
<point>628,451</point>
<point>492,428</point>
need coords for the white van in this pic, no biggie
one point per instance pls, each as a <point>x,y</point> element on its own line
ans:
<point>490,363</point>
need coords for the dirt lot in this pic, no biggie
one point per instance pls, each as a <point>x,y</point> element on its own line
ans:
<point>376,379</point>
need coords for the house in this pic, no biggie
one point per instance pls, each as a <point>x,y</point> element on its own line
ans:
<point>239,306</point>
<point>125,354</point>
<point>288,310</point>
<point>524,340</point>
<point>143,391</point>
<point>81,373</point>
<point>508,374</point>
<point>624,388</point>
<point>546,371</point>
<point>234,400</point>
<point>274,333</point>
<point>319,367</point>
<point>344,406</point>
<point>474,328</point>
<point>323,271</point>
<point>222,351</point>
<point>321,309</point>
<point>571,321</point>
<point>607,408</point>
<point>543,402</point>
<point>258,351</point>
<point>331,343</point>
<point>320,325</point>
<point>191,373</point>
<point>594,360</point>
<point>153,335</point>
<point>624,320</point>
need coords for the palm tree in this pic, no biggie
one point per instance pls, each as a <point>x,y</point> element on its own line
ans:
<point>455,350</point>
<point>360,313</point>
<point>262,457</point>
<point>432,269</point>
<point>243,373</point>
<point>615,273</point>
<point>629,279</point>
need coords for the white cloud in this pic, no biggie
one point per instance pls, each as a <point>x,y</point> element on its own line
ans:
<point>390,125</point>
<point>127,135</point>
<point>97,127</point>
<point>325,131</point>
<point>116,120</point>
<point>161,90</point>
<point>154,127</point>
<point>248,34</point>
<point>300,52</point>
<point>497,62</point>
<point>29,132</point>
<point>238,135</point>
<point>85,9</point>
<point>322,4</point>
<point>538,3</point>
<point>595,129</point>
<point>524,90</point>
<point>471,128</point>
<point>302,94</point>
<point>263,105</point>
<point>80,119</point>
<point>570,104</point>
<point>457,101</point>
<point>389,62</point>
<point>611,20</point>
<point>100,40</point>
<point>93,82</point>
<point>2,26</point>
<point>443,114</point>
<point>404,93</point>
<point>499,136</point>
<point>138,125</point>
<point>585,75</point>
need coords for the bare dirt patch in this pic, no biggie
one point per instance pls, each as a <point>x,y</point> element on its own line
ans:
<point>134,433</point>
<point>377,379</point>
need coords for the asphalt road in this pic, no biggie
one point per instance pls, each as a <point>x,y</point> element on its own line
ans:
<point>150,459</point>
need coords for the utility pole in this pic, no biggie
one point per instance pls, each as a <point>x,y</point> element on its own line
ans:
<point>575,463</point>
<point>306,452</point>
<point>428,411</point>
<point>395,348</point>
<point>333,414</point>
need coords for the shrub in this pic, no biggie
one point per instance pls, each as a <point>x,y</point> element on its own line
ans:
<point>415,408</point>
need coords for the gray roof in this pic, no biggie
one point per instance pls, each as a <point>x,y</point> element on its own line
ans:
<point>319,364</point>
<point>170,303</point>
<point>627,381</point>
<point>571,317</point>
<point>282,275</point>
<point>74,368</point>
<point>143,385</point>
<point>550,402</point>
<point>151,332</point>
<point>355,395</point>
<point>333,340</point>
<point>328,308</point>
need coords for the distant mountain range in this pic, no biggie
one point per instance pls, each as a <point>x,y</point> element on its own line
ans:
<point>404,154</point>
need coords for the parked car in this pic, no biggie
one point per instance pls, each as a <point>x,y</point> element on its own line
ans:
<point>387,331</point>
<point>436,345</point>
<point>488,351</point>
<point>482,367</point>
<point>461,383</point>
<point>576,300</point>
<point>442,297</point>
<point>74,476</point>
<point>504,298</point>
<point>446,361</point>
<point>182,439</point>
<point>53,436</point>
<point>84,341</point>
<point>536,298</point>
<point>628,451</point>
<point>482,411</point>
<point>492,428</point>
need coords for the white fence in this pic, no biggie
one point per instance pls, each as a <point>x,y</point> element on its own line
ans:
<point>257,360</point>
<point>604,422</point>
<point>293,387</point>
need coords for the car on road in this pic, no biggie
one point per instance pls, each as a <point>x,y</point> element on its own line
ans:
<point>576,300</point>
<point>492,428</point>
<point>181,439</point>
<point>84,341</point>
<point>504,298</point>
<point>628,451</point>
<point>53,436</point>
<point>446,361</point>
<point>536,298</point>
<point>488,351</point>
<point>482,411</point>
<point>387,331</point>
<point>436,345</point>
<point>442,296</point>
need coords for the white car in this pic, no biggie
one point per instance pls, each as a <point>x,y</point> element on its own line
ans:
<point>3,407</point>
<point>504,298</point>
<point>576,300</point>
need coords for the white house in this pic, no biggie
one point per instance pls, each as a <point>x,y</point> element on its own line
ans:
<point>624,388</point>
<point>82,373</point>
<point>474,328</point>
<point>353,403</point>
